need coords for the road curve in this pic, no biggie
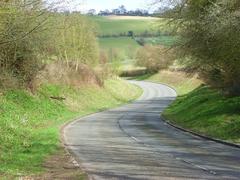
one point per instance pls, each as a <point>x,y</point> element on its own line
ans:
<point>132,142</point>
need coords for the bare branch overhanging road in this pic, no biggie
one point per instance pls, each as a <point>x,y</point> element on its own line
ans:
<point>132,142</point>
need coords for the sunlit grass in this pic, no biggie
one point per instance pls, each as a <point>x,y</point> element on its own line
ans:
<point>208,112</point>
<point>180,81</point>
<point>126,46</point>
<point>108,26</point>
<point>29,124</point>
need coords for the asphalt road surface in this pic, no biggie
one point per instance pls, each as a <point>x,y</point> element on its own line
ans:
<point>132,142</point>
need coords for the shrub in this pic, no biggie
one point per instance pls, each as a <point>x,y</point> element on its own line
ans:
<point>74,39</point>
<point>61,73</point>
<point>154,58</point>
<point>31,37</point>
<point>20,29</point>
<point>211,36</point>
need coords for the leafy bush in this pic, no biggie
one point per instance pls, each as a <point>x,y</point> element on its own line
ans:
<point>110,63</point>
<point>31,37</point>
<point>154,58</point>
<point>215,42</point>
<point>61,73</point>
<point>20,29</point>
<point>211,34</point>
<point>74,39</point>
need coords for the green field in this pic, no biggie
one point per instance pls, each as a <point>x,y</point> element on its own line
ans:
<point>108,26</point>
<point>161,40</point>
<point>30,123</point>
<point>114,27</point>
<point>126,46</point>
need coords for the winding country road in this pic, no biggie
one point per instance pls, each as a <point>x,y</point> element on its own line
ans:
<point>132,142</point>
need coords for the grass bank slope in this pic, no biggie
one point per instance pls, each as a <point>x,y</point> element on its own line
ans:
<point>178,80</point>
<point>208,112</point>
<point>29,124</point>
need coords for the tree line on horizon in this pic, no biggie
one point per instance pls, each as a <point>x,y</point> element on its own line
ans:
<point>120,11</point>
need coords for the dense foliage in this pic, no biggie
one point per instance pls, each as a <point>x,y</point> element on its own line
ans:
<point>73,39</point>
<point>154,58</point>
<point>20,28</point>
<point>211,36</point>
<point>32,36</point>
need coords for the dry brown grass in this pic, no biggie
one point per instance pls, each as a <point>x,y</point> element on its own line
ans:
<point>8,81</point>
<point>181,81</point>
<point>61,165</point>
<point>61,73</point>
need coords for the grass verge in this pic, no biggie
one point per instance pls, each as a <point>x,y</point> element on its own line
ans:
<point>207,112</point>
<point>29,124</point>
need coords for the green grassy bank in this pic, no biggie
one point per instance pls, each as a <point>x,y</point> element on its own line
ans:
<point>208,112</point>
<point>30,124</point>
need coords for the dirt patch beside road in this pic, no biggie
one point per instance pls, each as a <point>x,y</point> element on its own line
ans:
<point>59,166</point>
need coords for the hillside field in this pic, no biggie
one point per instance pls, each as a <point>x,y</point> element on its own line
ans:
<point>126,46</point>
<point>111,30</point>
<point>115,25</point>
